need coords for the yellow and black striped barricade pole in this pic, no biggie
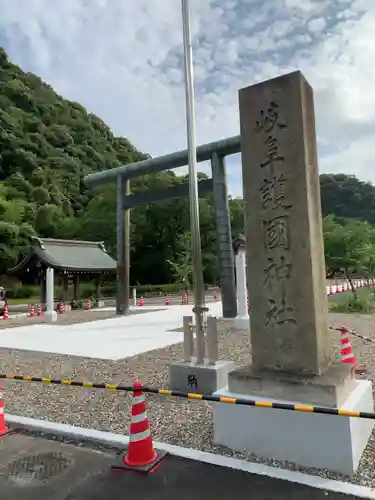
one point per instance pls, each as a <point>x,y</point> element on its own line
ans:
<point>351,332</point>
<point>200,397</point>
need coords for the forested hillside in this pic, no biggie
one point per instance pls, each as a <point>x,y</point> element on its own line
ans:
<point>47,145</point>
<point>347,197</point>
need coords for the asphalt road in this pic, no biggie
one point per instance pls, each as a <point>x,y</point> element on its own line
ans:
<point>35,468</point>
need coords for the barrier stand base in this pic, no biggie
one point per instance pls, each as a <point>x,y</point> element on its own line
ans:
<point>143,470</point>
<point>7,433</point>
<point>360,371</point>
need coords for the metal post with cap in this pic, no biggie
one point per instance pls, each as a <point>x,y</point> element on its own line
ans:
<point>198,285</point>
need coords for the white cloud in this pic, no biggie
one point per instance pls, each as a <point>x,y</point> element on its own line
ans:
<point>317,25</point>
<point>123,61</point>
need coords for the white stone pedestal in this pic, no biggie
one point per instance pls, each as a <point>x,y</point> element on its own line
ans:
<point>241,322</point>
<point>50,314</point>
<point>190,377</point>
<point>307,439</point>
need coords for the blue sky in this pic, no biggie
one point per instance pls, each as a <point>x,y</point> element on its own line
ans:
<point>122,59</point>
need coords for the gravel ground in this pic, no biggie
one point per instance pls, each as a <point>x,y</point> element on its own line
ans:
<point>176,421</point>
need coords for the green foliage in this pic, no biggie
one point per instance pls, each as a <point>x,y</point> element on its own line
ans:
<point>47,146</point>
<point>108,290</point>
<point>182,266</point>
<point>40,195</point>
<point>347,245</point>
<point>23,292</point>
<point>347,197</point>
<point>353,303</point>
<point>350,249</point>
<point>152,290</point>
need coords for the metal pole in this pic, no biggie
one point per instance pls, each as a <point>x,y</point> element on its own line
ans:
<point>127,252</point>
<point>199,296</point>
<point>120,235</point>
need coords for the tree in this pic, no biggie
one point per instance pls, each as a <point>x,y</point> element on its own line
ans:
<point>48,144</point>
<point>182,265</point>
<point>347,197</point>
<point>40,195</point>
<point>236,207</point>
<point>369,259</point>
<point>346,246</point>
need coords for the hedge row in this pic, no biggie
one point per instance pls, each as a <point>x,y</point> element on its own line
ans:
<point>107,290</point>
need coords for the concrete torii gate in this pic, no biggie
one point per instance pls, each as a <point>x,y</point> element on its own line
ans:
<point>214,152</point>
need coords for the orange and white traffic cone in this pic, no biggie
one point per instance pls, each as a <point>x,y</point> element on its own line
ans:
<point>32,311</point>
<point>141,456</point>
<point>89,305</point>
<point>330,290</point>
<point>142,302</point>
<point>6,312</point>
<point>186,299</point>
<point>3,428</point>
<point>167,300</point>
<point>346,352</point>
<point>39,313</point>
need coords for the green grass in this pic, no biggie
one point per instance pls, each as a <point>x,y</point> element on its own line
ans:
<point>17,302</point>
<point>347,303</point>
<point>342,297</point>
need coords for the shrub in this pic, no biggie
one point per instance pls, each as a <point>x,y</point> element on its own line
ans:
<point>107,290</point>
<point>22,292</point>
<point>362,303</point>
<point>76,304</point>
<point>152,290</point>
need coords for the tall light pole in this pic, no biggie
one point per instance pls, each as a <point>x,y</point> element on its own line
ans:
<point>199,296</point>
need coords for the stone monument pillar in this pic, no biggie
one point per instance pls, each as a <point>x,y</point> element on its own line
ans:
<point>291,343</point>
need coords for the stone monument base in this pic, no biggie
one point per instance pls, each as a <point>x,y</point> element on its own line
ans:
<point>189,377</point>
<point>330,389</point>
<point>50,316</point>
<point>306,439</point>
<point>241,323</point>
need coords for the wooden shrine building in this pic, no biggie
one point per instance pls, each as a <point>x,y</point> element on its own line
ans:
<point>71,261</point>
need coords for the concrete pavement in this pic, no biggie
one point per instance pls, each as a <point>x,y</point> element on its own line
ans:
<point>36,468</point>
<point>112,339</point>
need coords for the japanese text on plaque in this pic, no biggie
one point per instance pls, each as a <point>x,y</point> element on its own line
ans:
<point>275,215</point>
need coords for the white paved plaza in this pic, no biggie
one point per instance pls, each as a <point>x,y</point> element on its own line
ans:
<point>112,339</point>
